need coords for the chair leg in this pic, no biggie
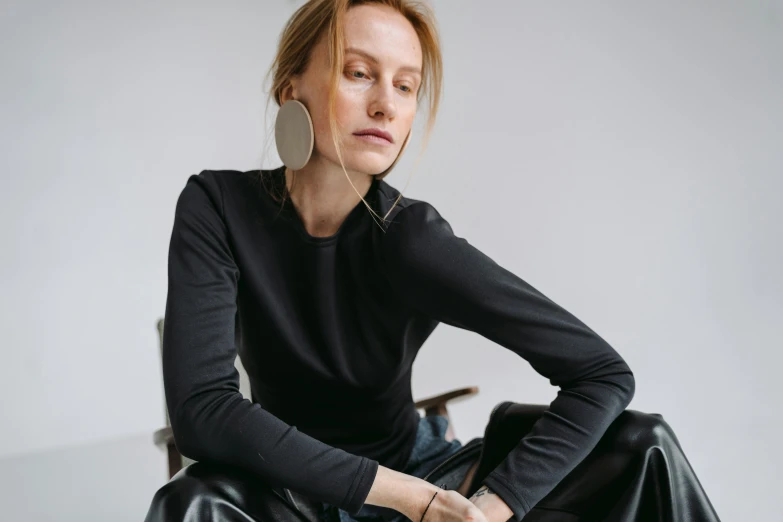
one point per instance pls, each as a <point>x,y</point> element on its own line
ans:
<point>175,459</point>
<point>441,409</point>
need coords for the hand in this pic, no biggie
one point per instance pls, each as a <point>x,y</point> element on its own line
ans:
<point>448,506</point>
<point>493,507</point>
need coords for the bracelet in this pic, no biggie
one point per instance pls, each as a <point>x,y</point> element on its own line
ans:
<point>428,505</point>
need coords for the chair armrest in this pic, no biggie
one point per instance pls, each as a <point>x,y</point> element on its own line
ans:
<point>163,437</point>
<point>437,403</point>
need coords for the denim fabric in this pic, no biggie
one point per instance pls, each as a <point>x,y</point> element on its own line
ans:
<point>430,449</point>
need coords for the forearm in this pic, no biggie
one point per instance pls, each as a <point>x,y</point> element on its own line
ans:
<point>404,493</point>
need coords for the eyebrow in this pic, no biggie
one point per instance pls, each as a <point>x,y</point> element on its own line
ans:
<point>374,60</point>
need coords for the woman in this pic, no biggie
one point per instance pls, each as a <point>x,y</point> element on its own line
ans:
<point>328,281</point>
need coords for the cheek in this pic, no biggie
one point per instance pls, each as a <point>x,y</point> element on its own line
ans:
<point>319,113</point>
<point>410,115</point>
<point>345,113</point>
<point>347,107</point>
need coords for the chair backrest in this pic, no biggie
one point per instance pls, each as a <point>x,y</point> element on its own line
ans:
<point>244,382</point>
<point>160,348</point>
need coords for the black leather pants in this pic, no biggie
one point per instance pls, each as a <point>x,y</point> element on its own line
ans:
<point>637,473</point>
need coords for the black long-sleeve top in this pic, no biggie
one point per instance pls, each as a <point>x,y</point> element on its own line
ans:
<point>328,329</point>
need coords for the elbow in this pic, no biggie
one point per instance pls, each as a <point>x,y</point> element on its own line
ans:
<point>626,385</point>
<point>621,379</point>
<point>186,435</point>
<point>191,428</point>
<point>191,451</point>
<point>199,424</point>
<point>619,374</point>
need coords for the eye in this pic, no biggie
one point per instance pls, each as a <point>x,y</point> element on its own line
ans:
<point>407,87</point>
<point>352,73</point>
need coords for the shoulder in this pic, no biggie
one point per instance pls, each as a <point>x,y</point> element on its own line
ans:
<point>415,231</point>
<point>415,221</point>
<point>406,215</point>
<point>214,188</point>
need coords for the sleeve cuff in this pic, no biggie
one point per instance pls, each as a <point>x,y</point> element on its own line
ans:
<point>512,500</point>
<point>361,486</point>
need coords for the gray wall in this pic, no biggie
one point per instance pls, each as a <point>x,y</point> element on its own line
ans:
<point>623,159</point>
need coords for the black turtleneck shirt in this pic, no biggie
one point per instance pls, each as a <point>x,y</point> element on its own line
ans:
<point>328,329</point>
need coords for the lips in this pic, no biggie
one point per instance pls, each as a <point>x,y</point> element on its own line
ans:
<point>376,132</point>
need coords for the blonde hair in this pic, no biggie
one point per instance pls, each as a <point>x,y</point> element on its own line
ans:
<point>305,28</point>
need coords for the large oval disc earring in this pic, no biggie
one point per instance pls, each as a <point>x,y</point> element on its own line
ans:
<point>402,149</point>
<point>294,135</point>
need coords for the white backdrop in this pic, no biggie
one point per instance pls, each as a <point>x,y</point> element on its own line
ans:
<point>623,159</point>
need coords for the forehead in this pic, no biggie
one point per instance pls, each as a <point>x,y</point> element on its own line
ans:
<point>383,33</point>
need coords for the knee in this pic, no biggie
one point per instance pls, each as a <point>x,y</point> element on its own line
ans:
<point>636,432</point>
<point>185,498</point>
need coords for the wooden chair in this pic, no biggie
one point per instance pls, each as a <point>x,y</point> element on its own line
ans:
<point>436,405</point>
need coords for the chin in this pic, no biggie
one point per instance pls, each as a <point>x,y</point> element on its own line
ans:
<point>366,163</point>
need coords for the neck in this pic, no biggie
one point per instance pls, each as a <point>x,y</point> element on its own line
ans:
<point>323,196</point>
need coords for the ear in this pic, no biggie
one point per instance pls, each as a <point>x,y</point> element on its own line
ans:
<point>289,92</point>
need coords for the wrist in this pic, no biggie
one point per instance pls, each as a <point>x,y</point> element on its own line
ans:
<point>421,497</point>
<point>494,508</point>
<point>404,493</point>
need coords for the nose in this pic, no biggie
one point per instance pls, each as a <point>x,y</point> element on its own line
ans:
<point>382,102</point>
